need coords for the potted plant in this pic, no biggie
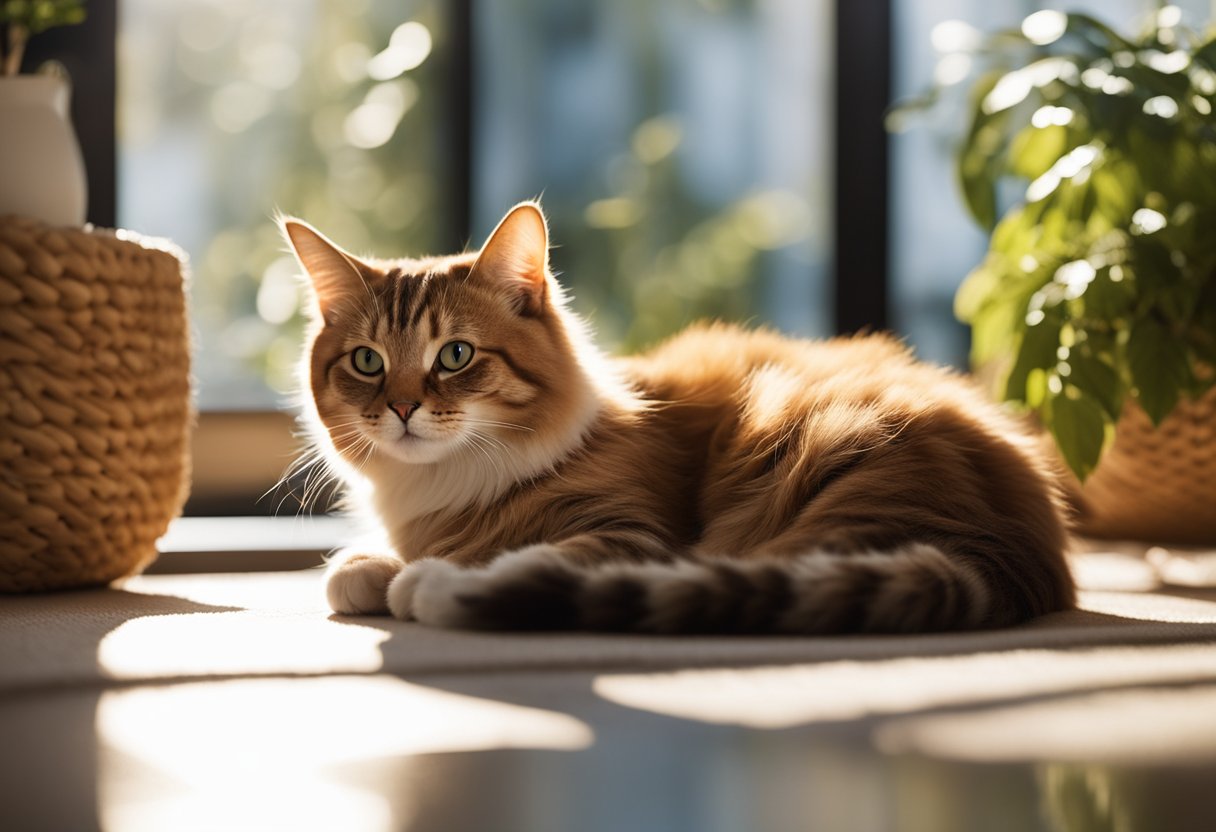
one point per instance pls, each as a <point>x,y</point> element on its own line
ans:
<point>95,403</point>
<point>40,162</point>
<point>1095,306</point>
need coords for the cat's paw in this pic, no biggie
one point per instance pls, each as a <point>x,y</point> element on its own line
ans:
<point>440,593</point>
<point>404,598</point>
<point>358,583</point>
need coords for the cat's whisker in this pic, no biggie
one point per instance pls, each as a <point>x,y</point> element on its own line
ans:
<point>313,486</point>
<point>498,443</point>
<point>480,442</point>
<point>467,443</point>
<point>292,472</point>
<point>365,454</point>
<point>497,449</point>
<point>304,465</point>
<point>492,423</point>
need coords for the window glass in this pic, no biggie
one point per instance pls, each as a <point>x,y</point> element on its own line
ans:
<point>229,111</point>
<point>682,149</point>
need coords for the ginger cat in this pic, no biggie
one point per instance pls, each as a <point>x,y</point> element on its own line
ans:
<point>726,481</point>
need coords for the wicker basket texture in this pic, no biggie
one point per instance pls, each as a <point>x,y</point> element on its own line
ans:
<point>1157,484</point>
<point>95,403</point>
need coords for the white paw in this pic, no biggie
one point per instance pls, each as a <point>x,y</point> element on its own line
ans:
<point>434,592</point>
<point>358,584</point>
<point>426,591</point>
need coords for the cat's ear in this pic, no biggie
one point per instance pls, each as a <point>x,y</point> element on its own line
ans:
<point>516,255</point>
<point>335,275</point>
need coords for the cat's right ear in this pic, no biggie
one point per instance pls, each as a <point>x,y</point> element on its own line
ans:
<point>334,274</point>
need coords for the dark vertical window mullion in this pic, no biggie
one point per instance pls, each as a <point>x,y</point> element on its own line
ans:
<point>88,52</point>
<point>862,93</point>
<point>460,120</point>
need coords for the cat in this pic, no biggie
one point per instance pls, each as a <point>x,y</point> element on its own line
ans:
<point>728,481</point>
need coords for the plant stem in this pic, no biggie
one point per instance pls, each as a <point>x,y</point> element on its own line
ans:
<point>17,36</point>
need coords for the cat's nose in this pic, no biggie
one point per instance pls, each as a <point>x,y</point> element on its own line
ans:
<point>404,409</point>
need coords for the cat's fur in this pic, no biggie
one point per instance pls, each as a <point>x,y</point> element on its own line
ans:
<point>727,481</point>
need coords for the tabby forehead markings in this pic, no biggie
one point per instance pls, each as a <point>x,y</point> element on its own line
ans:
<point>388,297</point>
<point>406,292</point>
<point>423,300</point>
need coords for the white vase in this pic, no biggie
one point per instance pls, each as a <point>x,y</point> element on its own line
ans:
<point>41,169</point>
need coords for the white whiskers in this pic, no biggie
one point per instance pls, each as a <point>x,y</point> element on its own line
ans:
<point>492,423</point>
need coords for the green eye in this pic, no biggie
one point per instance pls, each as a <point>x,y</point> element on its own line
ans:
<point>455,355</point>
<point>367,361</point>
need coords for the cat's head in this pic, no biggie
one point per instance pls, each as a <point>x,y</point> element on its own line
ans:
<point>422,361</point>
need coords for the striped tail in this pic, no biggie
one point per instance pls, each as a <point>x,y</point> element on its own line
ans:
<point>913,589</point>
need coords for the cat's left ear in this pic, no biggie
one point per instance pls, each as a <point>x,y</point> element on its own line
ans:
<point>335,275</point>
<point>516,255</point>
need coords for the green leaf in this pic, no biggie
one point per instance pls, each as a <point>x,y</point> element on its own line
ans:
<point>1097,380</point>
<point>1079,427</point>
<point>978,288</point>
<point>1036,388</point>
<point>1019,232</point>
<point>980,158</point>
<point>1037,349</point>
<point>1206,54</point>
<point>1097,33</point>
<point>1035,149</point>
<point>994,331</point>
<point>1107,299</point>
<point>1116,186</point>
<point>1159,369</point>
<point>39,15</point>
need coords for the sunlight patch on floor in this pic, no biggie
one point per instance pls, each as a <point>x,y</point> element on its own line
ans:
<point>781,697</point>
<point>237,643</point>
<point>272,753</point>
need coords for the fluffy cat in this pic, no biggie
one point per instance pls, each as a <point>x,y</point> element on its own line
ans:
<point>727,481</point>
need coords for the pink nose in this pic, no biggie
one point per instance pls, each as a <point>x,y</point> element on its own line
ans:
<point>404,409</point>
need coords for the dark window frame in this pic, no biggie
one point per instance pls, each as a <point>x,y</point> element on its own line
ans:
<point>88,52</point>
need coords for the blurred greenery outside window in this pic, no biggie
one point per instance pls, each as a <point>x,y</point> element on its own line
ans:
<point>681,148</point>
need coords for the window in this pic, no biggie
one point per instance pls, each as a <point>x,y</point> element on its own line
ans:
<point>680,148</point>
<point>697,158</point>
<point>683,150</point>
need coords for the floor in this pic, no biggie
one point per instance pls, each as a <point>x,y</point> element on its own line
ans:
<point>526,753</point>
<point>237,702</point>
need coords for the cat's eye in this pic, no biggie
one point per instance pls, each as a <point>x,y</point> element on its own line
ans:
<point>455,355</point>
<point>367,361</point>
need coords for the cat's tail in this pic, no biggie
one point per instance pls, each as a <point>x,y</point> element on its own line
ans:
<point>916,588</point>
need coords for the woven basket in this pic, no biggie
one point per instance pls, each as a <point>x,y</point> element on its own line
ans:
<point>1157,484</point>
<point>94,403</point>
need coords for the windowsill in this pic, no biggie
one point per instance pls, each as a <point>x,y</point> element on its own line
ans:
<point>249,544</point>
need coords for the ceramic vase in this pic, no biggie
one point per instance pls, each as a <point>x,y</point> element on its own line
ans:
<point>41,170</point>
